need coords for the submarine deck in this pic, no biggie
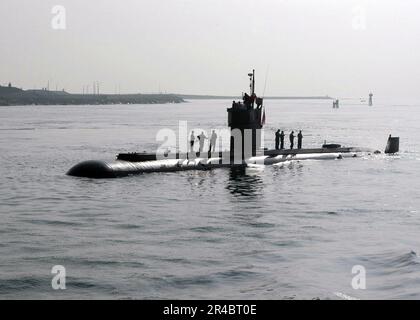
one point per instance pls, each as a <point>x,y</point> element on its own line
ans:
<point>144,156</point>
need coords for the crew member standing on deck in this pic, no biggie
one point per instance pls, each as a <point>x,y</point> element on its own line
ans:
<point>213,140</point>
<point>201,138</point>
<point>259,102</point>
<point>247,100</point>
<point>192,140</point>
<point>282,140</point>
<point>292,139</point>
<point>300,137</point>
<point>277,139</point>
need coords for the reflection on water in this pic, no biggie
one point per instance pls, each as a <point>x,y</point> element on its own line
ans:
<point>200,178</point>
<point>288,169</point>
<point>244,183</point>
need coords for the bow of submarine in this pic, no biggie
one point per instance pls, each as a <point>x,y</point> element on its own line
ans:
<point>92,169</point>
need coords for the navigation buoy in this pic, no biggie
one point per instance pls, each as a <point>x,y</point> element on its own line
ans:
<point>393,145</point>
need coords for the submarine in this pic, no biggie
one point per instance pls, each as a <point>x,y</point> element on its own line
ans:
<point>246,120</point>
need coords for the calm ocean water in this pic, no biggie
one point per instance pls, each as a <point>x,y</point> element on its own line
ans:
<point>288,232</point>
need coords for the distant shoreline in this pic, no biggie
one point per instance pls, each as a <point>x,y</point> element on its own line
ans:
<point>10,96</point>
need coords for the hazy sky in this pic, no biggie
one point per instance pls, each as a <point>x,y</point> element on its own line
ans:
<point>309,47</point>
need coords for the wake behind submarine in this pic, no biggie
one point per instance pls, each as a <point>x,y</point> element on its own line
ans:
<point>246,120</point>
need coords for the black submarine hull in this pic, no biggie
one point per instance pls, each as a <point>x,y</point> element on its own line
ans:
<point>138,163</point>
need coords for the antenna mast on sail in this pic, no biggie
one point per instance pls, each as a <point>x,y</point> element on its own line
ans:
<point>252,82</point>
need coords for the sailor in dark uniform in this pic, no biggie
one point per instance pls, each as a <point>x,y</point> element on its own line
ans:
<point>300,137</point>
<point>292,139</point>
<point>192,140</point>
<point>213,140</point>
<point>259,102</point>
<point>282,140</point>
<point>277,139</point>
<point>201,139</point>
<point>247,100</point>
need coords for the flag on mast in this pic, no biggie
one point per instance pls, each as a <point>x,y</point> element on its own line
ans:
<point>263,118</point>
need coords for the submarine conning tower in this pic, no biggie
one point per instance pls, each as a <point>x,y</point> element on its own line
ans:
<point>246,120</point>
